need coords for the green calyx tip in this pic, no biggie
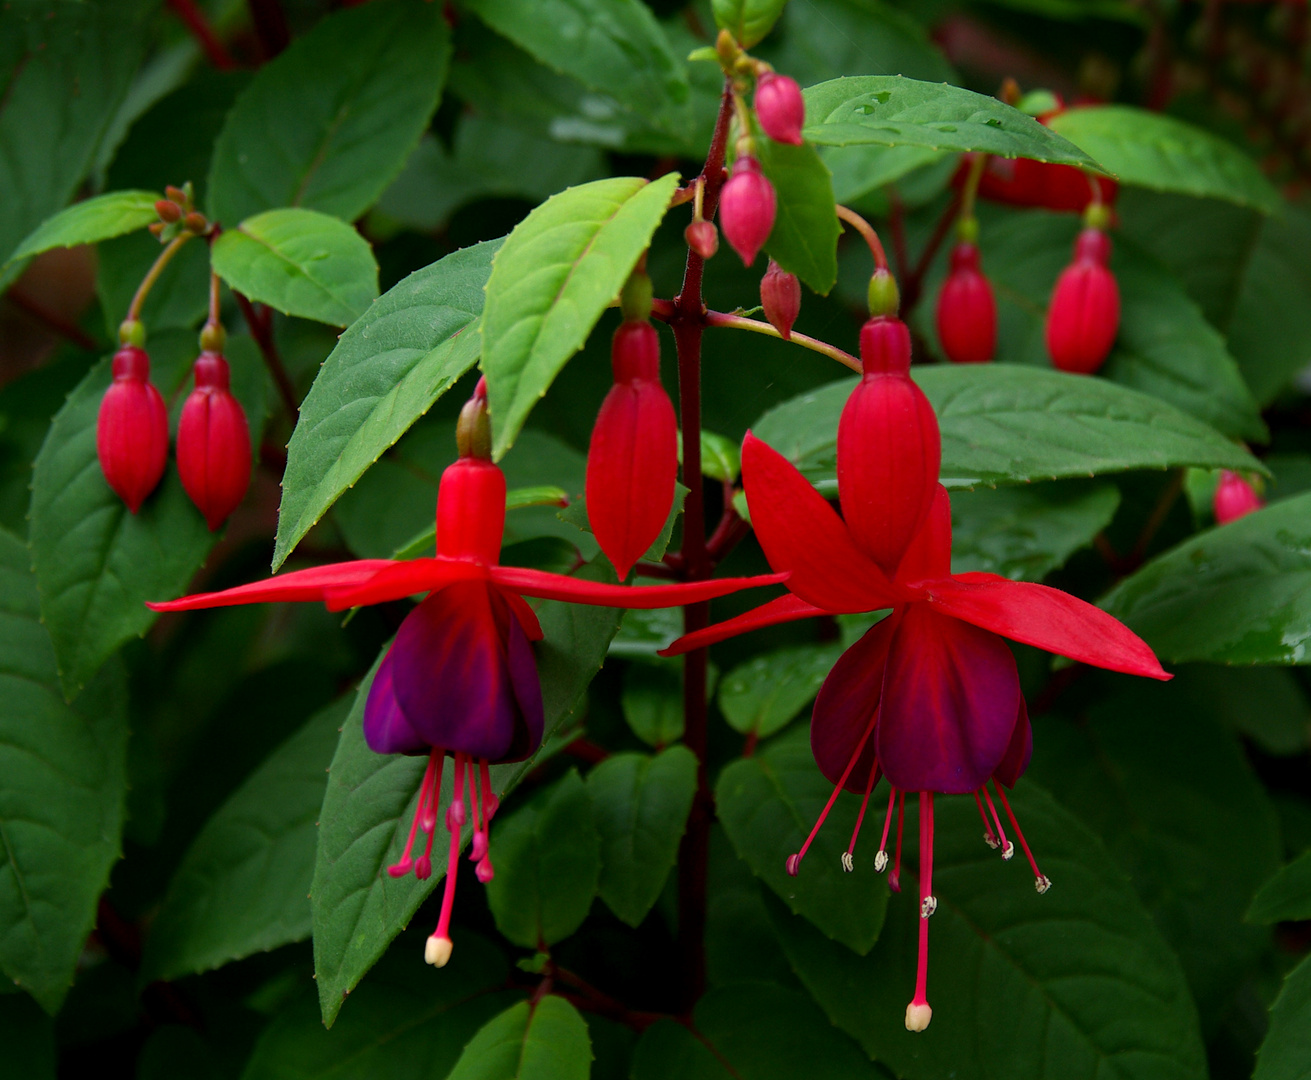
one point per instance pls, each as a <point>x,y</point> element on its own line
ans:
<point>1097,216</point>
<point>132,332</point>
<point>635,297</point>
<point>884,296</point>
<point>473,431</point>
<point>967,230</point>
<point>213,337</point>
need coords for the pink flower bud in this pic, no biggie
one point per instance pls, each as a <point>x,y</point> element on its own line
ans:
<point>213,443</point>
<point>132,429</point>
<point>1084,315</point>
<point>702,237</point>
<point>746,209</point>
<point>780,295</point>
<point>967,312</point>
<point>1234,498</point>
<point>780,108</point>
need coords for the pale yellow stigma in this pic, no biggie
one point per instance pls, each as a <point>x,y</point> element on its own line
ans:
<point>918,1016</point>
<point>438,951</point>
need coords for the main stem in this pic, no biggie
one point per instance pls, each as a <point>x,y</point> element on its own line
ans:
<point>688,322</point>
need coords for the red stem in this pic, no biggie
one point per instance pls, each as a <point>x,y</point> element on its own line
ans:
<point>194,19</point>
<point>261,329</point>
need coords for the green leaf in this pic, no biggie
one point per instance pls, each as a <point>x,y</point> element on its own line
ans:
<point>768,804</point>
<point>804,240</point>
<point>890,110</point>
<point>408,1022</point>
<point>747,20</point>
<point>243,885</point>
<point>557,271</point>
<point>1164,814</point>
<point>300,262</point>
<point>66,69</point>
<point>767,692</point>
<point>721,457</point>
<point>1287,1048</point>
<point>62,810</point>
<point>1264,704</point>
<point>641,805</point>
<point>328,124</point>
<point>614,46</point>
<point>386,371</point>
<point>1075,982</point>
<point>90,221</point>
<point>1156,151</point>
<point>370,802</point>
<point>1009,424</point>
<point>1256,570</point>
<point>28,1036</point>
<point>547,856</point>
<point>859,170</point>
<point>1024,533</point>
<point>96,564</point>
<point>752,1031</point>
<point>179,299</point>
<point>1285,897</point>
<point>576,515</point>
<point>652,701</point>
<point>546,1040</point>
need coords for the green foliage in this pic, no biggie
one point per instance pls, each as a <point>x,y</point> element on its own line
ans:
<point>88,222</point>
<point>764,694</point>
<point>1287,1048</point>
<point>1286,896</point>
<point>804,240</point>
<point>747,20</point>
<point>543,1040</point>
<point>300,262</point>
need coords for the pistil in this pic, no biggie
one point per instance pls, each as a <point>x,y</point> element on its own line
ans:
<point>918,1012</point>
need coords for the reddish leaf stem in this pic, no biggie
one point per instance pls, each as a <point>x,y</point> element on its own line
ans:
<point>195,21</point>
<point>261,329</point>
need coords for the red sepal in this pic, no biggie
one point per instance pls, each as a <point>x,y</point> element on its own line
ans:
<point>786,608</point>
<point>967,311</point>
<point>1084,315</point>
<point>550,586</point>
<point>213,444</point>
<point>397,580</point>
<point>311,584</point>
<point>132,429</point>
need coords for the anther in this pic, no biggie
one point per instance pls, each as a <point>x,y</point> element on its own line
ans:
<point>437,950</point>
<point>1009,853</point>
<point>793,864</point>
<point>401,868</point>
<point>848,863</point>
<point>928,906</point>
<point>423,867</point>
<point>483,871</point>
<point>1043,883</point>
<point>881,861</point>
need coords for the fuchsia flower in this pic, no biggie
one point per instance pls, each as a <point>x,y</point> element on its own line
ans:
<point>780,296</point>
<point>1084,315</point>
<point>747,207</point>
<point>132,429</point>
<point>1234,498</point>
<point>780,108</point>
<point>967,311</point>
<point>930,696</point>
<point>460,677</point>
<point>213,442</point>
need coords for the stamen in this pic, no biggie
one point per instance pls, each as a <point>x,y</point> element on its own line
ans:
<point>881,856</point>
<point>989,837</point>
<point>400,869</point>
<point>918,1012</point>
<point>894,878</point>
<point>479,846</point>
<point>437,951</point>
<point>490,801</point>
<point>1041,881</point>
<point>455,816</point>
<point>1007,848</point>
<point>848,856</point>
<point>429,822</point>
<point>794,861</point>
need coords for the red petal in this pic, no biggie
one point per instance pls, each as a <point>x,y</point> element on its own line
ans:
<point>397,580</point>
<point>1020,750</point>
<point>786,608</point>
<point>550,586</point>
<point>312,584</point>
<point>803,534</point>
<point>526,615</point>
<point>1048,618</point>
<point>845,704</point>
<point>929,554</point>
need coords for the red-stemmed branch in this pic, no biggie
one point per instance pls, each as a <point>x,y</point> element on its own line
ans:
<point>195,20</point>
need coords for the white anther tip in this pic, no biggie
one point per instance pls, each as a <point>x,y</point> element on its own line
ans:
<point>437,951</point>
<point>928,906</point>
<point>848,863</point>
<point>1043,883</point>
<point>881,861</point>
<point>918,1016</point>
<point>991,841</point>
<point>1010,850</point>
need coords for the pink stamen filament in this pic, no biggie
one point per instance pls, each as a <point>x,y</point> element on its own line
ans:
<point>989,837</point>
<point>794,861</point>
<point>479,846</point>
<point>881,858</point>
<point>490,801</point>
<point>848,857</point>
<point>400,869</point>
<point>918,1012</point>
<point>1041,881</point>
<point>1007,848</point>
<point>894,878</point>
<point>442,933</point>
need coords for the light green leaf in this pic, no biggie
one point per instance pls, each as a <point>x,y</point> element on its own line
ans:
<point>408,349</point>
<point>767,692</point>
<point>300,262</point>
<point>1286,1052</point>
<point>804,240</point>
<point>90,221</point>
<point>557,271</point>
<point>1161,152</point>
<point>1286,897</point>
<point>641,805</point>
<point>747,20</point>
<point>545,1040</point>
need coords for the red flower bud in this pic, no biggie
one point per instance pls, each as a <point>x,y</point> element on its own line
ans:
<point>967,312</point>
<point>1234,498</point>
<point>213,442</point>
<point>132,429</point>
<point>702,237</point>
<point>780,295</point>
<point>780,108</point>
<point>168,210</point>
<point>633,458</point>
<point>889,448</point>
<point>746,209</point>
<point>1084,315</point>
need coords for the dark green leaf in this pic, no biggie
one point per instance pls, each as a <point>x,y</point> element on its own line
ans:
<point>329,123</point>
<point>1265,704</point>
<point>1009,424</point>
<point>1256,570</point>
<point>768,804</point>
<point>28,1036</point>
<point>741,945</point>
<point>1024,533</point>
<point>652,701</point>
<point>1286,1052</point>
<point>179,299</point>
<point>641,805</point>
<point>243,885</point>
<point>546,1040</point>
<point>1161,152</point>
<point>409,1022</point>
<point>890,110</point>
<point>547,856</point>
<point>752,1031</point>
<point>557,271</point>
<point>88,222</point>
<point>1286,896</point>
<point>66,69</point>
<point>370,801</point>
<point>747,20</point>
<point>62,809</point>
<point>410,347</point>
<point>300,262</point>
<point>805,236</point>
<point>764,694</point>
<point>1075,982</point>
